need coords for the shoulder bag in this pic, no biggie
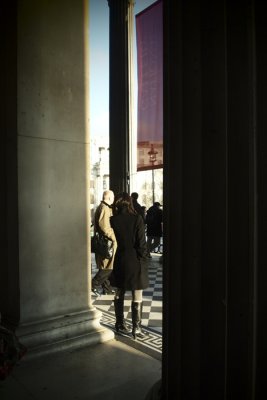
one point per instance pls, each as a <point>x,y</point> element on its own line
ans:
<point>102,246</point>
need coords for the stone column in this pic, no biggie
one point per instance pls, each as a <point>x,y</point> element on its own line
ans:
<point>53,275</point>
<point>214,200</point>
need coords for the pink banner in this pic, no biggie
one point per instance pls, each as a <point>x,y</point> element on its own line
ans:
<point>149,35</point>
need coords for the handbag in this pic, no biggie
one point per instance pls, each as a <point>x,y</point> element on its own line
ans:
<point>102,246</point>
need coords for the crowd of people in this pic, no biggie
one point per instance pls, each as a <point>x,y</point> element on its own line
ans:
<point>135,233</point>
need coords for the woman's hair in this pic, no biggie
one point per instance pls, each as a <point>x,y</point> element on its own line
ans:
<point>123,201</point>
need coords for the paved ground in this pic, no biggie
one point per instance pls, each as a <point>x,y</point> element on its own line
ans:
<point>152,306</point>
<point>119,369</point>
<point>111,370</point>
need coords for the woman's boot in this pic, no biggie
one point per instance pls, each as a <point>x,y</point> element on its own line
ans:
<point>120,323</point>
<point>137,319</point>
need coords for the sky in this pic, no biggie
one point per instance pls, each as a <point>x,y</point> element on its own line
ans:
<point>99,64</point>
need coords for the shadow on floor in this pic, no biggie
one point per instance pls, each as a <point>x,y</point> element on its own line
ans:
<point>111,370</point>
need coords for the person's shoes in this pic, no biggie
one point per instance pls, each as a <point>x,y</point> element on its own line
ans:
<point>96,292</point>
<point>108,291</point>
<point>138,333</point>
<point>122,328</point>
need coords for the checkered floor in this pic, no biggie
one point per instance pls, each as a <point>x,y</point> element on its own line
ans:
<point>152,304</point>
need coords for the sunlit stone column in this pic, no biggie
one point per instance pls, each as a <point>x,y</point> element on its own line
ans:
<point>54,308</point>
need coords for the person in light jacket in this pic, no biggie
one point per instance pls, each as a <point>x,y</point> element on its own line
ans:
<point>130,270</point>
<point>102,225</point>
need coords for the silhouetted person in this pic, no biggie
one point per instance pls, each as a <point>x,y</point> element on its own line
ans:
<point>154,222</point>
<point>137,206</point>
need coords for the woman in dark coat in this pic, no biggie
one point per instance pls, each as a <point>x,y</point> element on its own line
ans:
<point>130,269</point>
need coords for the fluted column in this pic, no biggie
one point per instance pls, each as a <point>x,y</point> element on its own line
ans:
<point>214,328</point>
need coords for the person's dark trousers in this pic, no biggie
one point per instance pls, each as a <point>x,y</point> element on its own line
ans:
<point>153,243</point>
<point>137,308</point>
<point>106,286</point>
<point>119,314</point>
<point>100,277</point>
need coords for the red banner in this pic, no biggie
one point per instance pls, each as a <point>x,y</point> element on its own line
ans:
<point>149,37</point>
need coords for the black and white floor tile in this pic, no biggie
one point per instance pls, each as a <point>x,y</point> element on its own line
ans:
<point>152,306</point>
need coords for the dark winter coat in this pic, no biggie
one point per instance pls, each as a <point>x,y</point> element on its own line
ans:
<point>154,220</point>
<point>130,268</point>
<point>138,208</point>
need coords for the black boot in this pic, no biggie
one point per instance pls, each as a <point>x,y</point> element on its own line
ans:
<point>137,308</point>
<point>120,323</point>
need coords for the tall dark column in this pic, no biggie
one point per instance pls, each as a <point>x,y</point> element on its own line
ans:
<point>119,96</point>
<point>241,230</point>
<point>9,271</point>
<point>260,198</point>
<point>214,328</point>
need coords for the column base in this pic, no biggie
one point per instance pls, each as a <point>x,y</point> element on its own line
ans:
<point>63,333</point>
